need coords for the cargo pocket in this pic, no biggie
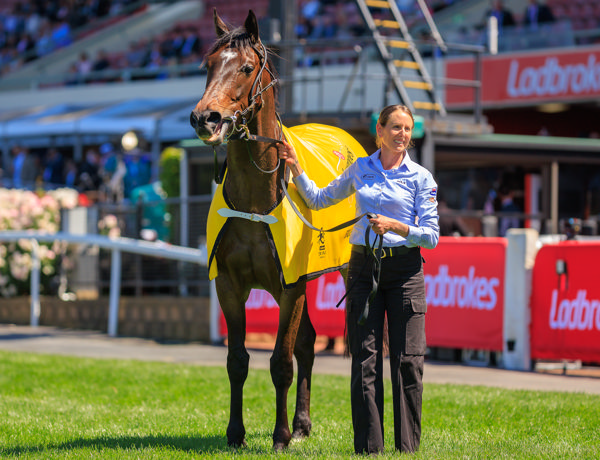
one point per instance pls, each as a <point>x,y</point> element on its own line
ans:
<point>415,326</point>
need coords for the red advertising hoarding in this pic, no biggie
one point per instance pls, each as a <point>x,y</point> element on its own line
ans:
<point>464,281</point>
<point>465,294</point>
<point>565,302</point>
<point>526,78</point>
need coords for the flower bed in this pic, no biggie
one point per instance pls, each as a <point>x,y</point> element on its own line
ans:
<point>27,210</point>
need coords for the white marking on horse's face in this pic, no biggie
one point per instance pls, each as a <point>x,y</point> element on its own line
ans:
<point>227,55</point>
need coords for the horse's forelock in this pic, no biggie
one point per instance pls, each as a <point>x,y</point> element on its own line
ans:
<point>236,38</point>
<point>240,38</point>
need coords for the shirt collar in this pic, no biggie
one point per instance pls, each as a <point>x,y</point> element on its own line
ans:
<point>407,163</point>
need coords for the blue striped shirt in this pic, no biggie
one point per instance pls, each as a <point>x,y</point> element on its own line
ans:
<point>406,193</point>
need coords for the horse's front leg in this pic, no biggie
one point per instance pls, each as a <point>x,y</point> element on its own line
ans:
<point>233,307</point>
<point>291,304</point>
<point>304,351</point>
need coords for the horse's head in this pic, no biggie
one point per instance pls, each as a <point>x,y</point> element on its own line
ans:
<point>235,80</point>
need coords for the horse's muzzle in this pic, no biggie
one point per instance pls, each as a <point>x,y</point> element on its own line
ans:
<point>207,125</point>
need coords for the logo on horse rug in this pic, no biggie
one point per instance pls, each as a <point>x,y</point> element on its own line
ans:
<point>324,153</point>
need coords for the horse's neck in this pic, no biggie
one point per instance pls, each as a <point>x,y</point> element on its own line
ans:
<point>249,189</point>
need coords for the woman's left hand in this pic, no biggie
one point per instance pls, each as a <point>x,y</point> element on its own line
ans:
<point>382,224</point>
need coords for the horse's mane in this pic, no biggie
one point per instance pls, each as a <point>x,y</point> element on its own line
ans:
<point>240,38</point>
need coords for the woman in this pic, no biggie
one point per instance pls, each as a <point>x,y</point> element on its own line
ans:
<point>402,195</point>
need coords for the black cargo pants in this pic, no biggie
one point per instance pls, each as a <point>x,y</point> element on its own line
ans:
<point>400,296</point>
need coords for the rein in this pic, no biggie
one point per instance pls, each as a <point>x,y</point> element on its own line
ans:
<point>311,226</point>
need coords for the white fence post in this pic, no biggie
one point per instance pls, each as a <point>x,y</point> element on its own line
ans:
<point>215,336</point>
<point>115,292</point>
<point>520,257</point>
<point>35,284</point>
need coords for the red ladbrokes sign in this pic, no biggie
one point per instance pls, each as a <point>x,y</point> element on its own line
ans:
<point>464,281</point>
<point>538,77</point>
<point>565,302</point>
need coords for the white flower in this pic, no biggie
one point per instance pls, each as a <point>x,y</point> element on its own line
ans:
<point>67,198</point>
<point>114,232</point>
<point>25,244</point>
<point>111,221</point>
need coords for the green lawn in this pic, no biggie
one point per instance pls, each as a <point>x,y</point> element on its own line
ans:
<point>64,407</point>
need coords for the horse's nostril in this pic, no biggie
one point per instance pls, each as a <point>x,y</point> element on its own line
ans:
<point>193,120</point>
<point>214,117</point>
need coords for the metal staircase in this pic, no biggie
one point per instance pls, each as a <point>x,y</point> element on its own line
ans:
<point>400,55</point>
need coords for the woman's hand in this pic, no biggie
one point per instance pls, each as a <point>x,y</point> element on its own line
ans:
<point>288,154</point>
<point>382,224</point>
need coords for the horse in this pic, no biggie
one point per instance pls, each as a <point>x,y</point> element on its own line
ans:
<point>240,99</point>
<point>240,82</point>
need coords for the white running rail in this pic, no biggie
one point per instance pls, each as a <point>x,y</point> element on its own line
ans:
<point>116,245</point>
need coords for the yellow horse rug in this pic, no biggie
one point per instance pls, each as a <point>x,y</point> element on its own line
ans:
<point>324,152</point>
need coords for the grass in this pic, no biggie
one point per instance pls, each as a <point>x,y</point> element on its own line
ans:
<point>66,407</point>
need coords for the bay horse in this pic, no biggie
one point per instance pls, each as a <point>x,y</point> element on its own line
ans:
<point>240,88</point>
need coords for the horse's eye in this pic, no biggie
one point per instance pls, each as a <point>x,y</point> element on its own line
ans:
<point>247,69</point>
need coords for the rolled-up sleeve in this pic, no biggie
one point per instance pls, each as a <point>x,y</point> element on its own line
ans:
<point>427,231</point>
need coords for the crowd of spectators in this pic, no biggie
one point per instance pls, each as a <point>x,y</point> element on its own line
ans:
<point>30,29</point>
<point>105,174</point>
<point>537,24</point>
<point>33,28</point>
<point>342,19</point>
<point>534,15</point>
<point>179,46</point>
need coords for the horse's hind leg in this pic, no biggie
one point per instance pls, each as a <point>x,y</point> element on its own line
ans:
<point>237,360</point>
<point>304,351</point>
<point>291,304</point>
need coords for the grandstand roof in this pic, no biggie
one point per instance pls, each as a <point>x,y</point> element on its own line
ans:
<point>161,119</point>
<point>508,149</point>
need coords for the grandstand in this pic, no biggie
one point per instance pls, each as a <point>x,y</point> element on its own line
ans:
<point>338,78</point>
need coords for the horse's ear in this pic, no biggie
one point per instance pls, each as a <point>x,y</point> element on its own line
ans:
<point>220,27</point>
<point>251,26</point>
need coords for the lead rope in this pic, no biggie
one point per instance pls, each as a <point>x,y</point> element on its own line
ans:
<point>375,254</point>
<point>375,274</point>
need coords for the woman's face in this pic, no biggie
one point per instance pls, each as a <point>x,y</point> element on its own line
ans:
<point>396,134</point>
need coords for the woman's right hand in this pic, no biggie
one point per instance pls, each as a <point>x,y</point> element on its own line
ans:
<point>288,154</point>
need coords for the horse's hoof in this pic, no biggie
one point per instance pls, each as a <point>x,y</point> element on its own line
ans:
<point>279,446</point>
<point>281,439</point>
<point>236,435</point>
<point>300,433</point>
<point>236,444</point>
<point>302,426</point>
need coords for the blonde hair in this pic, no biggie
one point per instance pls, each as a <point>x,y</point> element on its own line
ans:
<point>385,114</point>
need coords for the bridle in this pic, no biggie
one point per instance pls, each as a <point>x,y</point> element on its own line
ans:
<point>240,119</point>
<point>255,92</point>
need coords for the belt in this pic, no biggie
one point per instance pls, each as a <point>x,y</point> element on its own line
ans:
<point>385,251</point>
